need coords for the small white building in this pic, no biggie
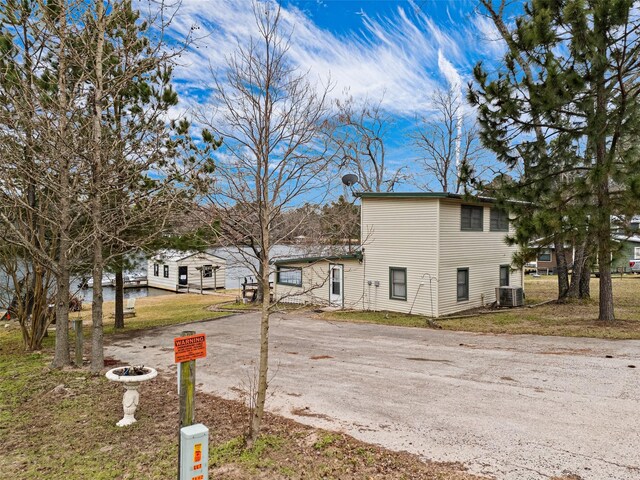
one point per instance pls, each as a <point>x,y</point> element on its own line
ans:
<point>431,254</point>
<point>181,271</point>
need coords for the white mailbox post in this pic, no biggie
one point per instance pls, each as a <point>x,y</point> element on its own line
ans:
<point>194,452</point>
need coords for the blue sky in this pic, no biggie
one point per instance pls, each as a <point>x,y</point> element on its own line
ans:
<point>390,50</point>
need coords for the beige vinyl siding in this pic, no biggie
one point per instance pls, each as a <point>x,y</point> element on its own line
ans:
<point>354,289</point>
<point>159,281</point>
<point>315,284</point>
<point>481,252</point>
<point>402,233</point>
<point>312,291</point>
<point>193,275</point>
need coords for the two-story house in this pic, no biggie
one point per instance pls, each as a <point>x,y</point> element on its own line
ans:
<point>424,253</point>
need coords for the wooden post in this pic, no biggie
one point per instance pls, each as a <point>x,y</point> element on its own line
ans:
<point>187,390</point>
<point>77,326</point>
<point>187,387</point>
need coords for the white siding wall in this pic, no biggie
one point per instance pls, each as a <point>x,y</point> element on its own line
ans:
<point>193,274</point>
<point>354,293</point>
<point>400,232</point>
<point>315,284</point>
<point>481,252</point>
<point>159,281</point>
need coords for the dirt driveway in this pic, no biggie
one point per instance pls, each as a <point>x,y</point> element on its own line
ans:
<point>517,407</point>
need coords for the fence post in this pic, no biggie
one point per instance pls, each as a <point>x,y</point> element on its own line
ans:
<point>77,326</point>
<point>187,386</point>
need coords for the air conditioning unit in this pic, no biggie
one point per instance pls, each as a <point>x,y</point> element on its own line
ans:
<point>510,296</point>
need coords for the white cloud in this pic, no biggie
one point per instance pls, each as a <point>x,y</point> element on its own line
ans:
<point>450,73</point>
<point>401,59</point>
<point>487,35</point>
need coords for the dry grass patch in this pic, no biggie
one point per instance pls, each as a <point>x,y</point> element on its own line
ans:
<point>70,433</point>
<point>574,318</point>
<point>161,310</point>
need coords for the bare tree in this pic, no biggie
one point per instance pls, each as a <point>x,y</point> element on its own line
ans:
<point>360,131</point>
<point>450,145</point>
<point>271,119</point>
<point>88,172</point>
<point>41,118</point>
<point>341,223</point>
<point>27,281</point>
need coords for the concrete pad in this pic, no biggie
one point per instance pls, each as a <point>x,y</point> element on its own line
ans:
<point>516,407</point>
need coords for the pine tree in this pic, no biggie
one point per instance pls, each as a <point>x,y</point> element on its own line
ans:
<point>560,112</point>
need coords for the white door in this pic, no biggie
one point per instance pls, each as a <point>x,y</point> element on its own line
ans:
<point>336,287</point>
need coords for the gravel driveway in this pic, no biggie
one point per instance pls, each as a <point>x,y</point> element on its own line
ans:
<point>516,407</point>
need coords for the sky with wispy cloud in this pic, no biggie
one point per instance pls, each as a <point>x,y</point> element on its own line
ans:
<point>390,50</point>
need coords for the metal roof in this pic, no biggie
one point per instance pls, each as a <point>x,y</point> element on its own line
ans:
<point>456,196</point>
<point>347,256</point>
<point>178,256</point>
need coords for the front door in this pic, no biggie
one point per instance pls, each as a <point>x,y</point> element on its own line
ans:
<point>336,287</point>
<point>183,278</point>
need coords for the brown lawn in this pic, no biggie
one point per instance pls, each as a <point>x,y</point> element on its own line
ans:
<point>575,318</point>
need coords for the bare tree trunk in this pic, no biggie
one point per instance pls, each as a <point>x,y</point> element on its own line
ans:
<point>261,394</point>
<point>259,286</point>
<point>62,357</point>
<point>576,275</point>
<point>562,270</point>
<point>119,322</point>
<point>97,357</point>
<point>97,354</point>
<point>606,312</point>
<point>603,216</point>
<point>585,280</point>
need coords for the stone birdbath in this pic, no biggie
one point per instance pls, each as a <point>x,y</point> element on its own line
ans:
<point>131,377</point>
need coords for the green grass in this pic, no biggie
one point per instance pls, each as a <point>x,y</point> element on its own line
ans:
<point>325,441</point>
<point>160,311</point>
<point>380,318</point>
<point>253,458</point>
<point>577,318</point>
<point>239,306</point>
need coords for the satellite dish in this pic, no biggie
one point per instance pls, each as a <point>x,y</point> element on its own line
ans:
<point>350,179</point>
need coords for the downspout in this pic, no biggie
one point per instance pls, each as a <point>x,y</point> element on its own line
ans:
<point>416,296</point>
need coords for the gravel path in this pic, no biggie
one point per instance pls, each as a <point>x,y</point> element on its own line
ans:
<point>516,407</point>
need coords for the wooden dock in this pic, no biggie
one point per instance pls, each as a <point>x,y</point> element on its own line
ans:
<point>250,288</point>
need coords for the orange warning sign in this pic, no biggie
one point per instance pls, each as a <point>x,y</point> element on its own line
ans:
<point>189,348</point>
<point>197,452</point>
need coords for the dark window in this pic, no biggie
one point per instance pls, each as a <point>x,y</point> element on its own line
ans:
<point>544,255</point>
<point>499,220</point>
<point>463,284</point>
<point>156,270</point>
<point>207,271</point>
<point>336,280</point>
<point>471,218</point>
<point>165,271</point>
<point>398,283</point>
<point>504,275</point>
<point>289,276</point>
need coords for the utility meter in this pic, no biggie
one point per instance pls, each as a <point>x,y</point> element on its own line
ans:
<point>194,452</point>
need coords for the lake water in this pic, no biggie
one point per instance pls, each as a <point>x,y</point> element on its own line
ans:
<point>109,293</point>
<point>238,267</point>
<point>239,261</point>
